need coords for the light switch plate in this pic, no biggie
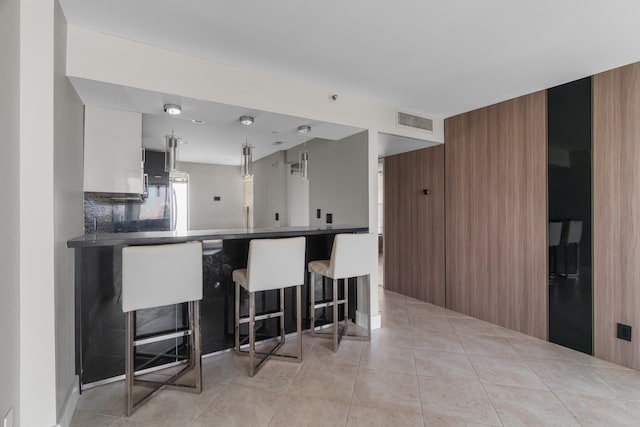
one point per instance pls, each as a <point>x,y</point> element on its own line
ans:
<point>8,419</point>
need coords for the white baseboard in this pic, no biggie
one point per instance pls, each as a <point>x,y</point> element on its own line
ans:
<point>69,406</point>
<point>362,319</point>
<point>376,321</point>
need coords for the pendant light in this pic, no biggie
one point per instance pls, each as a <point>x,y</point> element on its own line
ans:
<point>303,161</point>
<point>247,160</point>
<point>171,149</point>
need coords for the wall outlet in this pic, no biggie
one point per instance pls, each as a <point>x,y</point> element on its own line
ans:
<point>624,332</point>
<point>216,198</point>
<point>8,419</point>
<point>318,213</point>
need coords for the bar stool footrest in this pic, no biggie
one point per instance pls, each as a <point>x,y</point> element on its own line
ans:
<point>265,316</point>
<point>169,383</point>
<point>328,304</point>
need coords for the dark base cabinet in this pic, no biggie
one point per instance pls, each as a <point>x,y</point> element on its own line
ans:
<point>100,322</point>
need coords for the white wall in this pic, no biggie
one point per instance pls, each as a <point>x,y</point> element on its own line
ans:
<point>9,214</point>
<point>68,214</point>
<point>270,190</point>
<point>297,199</point>
<point>106,58</point>
<point>207,181</point>
<point>338,180</point>
<point>36,142</point>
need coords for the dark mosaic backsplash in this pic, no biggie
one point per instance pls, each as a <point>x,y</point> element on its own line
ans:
<point>110,213</point>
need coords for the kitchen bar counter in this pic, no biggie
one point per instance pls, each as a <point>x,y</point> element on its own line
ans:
<point>160,237</point>
<point>100,321</point>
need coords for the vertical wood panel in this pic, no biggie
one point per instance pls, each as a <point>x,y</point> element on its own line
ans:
<point>414,224</point>
<point>496,229</point>
<point>616,219</point>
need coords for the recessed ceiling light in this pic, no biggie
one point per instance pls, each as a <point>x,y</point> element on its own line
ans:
<point>198,122</point>
<point>278,143</point>
<point>304,129</point>
<point>246,120</point>
<point>173,109</point>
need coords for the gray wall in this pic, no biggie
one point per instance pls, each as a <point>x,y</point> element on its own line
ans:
<point>338,184</point>
<point>68,204</point>
<point>207,181</point>
<point>270,190</point>
<point>338,179</point>
<point>9,214</point>
<point>297,199</point>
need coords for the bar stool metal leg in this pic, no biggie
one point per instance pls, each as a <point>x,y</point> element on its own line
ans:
<point>129,362</point>
<point>298,324</point>
<point>195,344</point>
<point>237,318</point>
<point>282,335</point>
<point>312,306</point>
<point>336,342</point>
<point>346,305</point>
<point>252,336</point>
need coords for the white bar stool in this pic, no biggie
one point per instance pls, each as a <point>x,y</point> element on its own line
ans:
<point>352,255</point>
<point>155,276</point>
<point>272,264</point>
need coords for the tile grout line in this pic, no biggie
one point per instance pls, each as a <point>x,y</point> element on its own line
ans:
<point>415,366</point>
<point>493,406</point>
<point>555,395</point>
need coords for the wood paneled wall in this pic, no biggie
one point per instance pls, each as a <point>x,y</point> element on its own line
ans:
<point>616,213</point>
<point>414,224</point>
<point>496,210</point>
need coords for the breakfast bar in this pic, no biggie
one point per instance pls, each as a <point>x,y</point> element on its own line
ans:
<point>100,322</point>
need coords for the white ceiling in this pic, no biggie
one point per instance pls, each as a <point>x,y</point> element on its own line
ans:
<point>436,57</point>
<point>216,141</point>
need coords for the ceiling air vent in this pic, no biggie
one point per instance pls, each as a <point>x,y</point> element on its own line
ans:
<point>414,122</point>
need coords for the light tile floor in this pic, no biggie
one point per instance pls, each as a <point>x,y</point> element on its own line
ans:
<point>427,366</point>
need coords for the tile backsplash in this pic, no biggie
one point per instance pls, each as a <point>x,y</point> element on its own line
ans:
<point>108,213</point>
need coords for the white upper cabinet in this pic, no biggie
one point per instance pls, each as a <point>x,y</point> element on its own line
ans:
<point>113,157</point>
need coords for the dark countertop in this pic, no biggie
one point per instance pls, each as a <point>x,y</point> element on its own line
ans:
<point>158,237</point>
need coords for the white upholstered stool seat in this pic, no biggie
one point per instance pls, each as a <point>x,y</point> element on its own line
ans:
<point>352,255</point>
<point>273,264</point>
<point>155,276</point>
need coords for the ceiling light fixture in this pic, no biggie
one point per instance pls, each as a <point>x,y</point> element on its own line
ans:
<point>246,120</point>
<point>198,122</point>
<point>173,109</point>
<point>304,129</point>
